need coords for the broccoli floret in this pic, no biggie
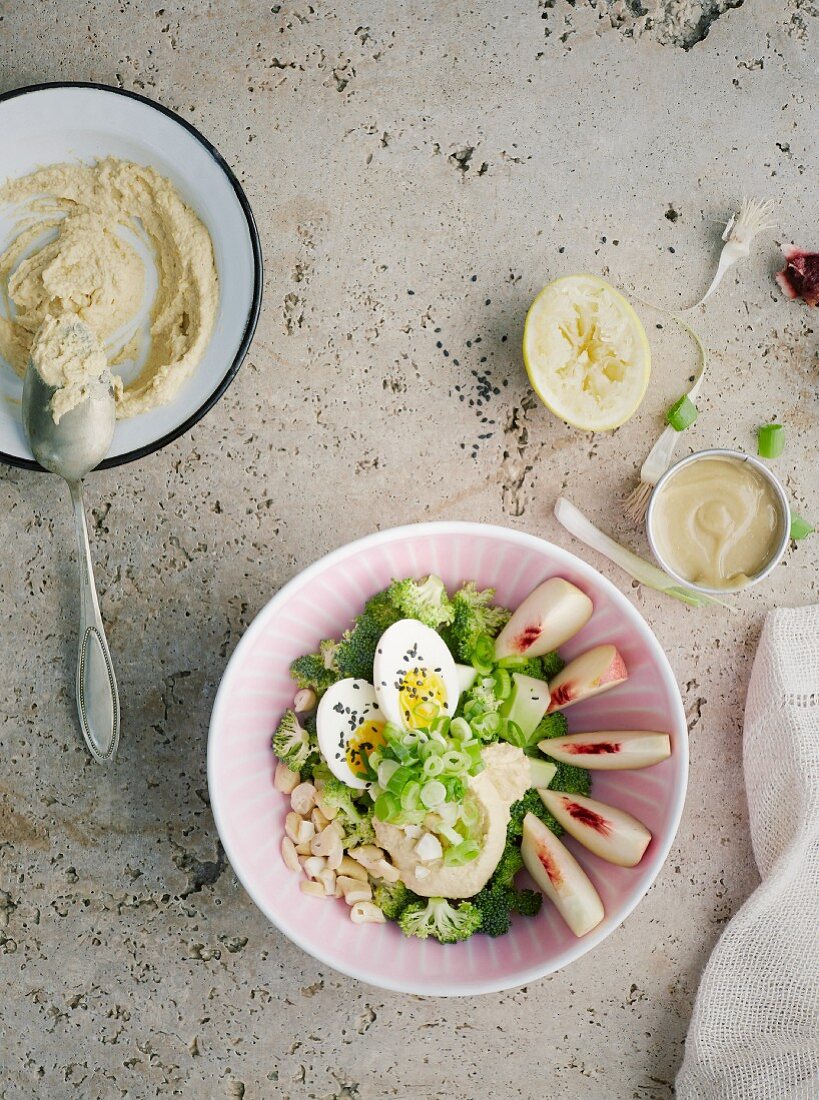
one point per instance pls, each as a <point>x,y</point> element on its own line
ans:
<point>358,832</point>
<point>292,743</point>
<point>473,616</point>
<point>540,668</point>
<point>311,671</point>
<point>551,725</point>
<point>529,804</point>
<point>439,918</point>
<point>482,693</point>
<point>355,651</point>
<point>499,898</point>
<point>426,601</point>
<point>493,905</point>
<point>552,664</point>
<point>354,820</point>
<point>509,864</point>
<point>392,898</point>
<point>531,666</point>
<point>525,902</point>
<point>571,779</point>
<point>327,652</point>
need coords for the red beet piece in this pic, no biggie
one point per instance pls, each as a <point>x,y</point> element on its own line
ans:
<point>799,278</point>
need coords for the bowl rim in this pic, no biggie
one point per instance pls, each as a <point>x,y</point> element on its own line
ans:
<point>258,273</point>
<point>773,481</point>
<point>464,529</point>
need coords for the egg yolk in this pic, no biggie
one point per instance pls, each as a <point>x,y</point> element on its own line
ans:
<point>422,697</point>
<point>368,736</point>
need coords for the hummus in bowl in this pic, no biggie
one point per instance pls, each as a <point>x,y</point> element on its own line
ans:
<point>119,212</point>
<point>75,253</point>
<point>505,779</point>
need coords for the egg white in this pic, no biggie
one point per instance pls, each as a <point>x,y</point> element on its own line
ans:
<point>343,709</point>
<point>403,648</point>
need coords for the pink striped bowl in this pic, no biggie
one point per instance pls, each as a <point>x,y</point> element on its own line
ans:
<point>320,603</point>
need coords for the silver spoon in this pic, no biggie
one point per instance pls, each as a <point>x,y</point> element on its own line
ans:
<point>72,449</point>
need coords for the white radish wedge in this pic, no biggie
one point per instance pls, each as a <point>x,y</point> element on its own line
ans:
<point>616,750</point>
<point>560,877</point>
<point>548,617</point>
<point>541,772</point>
<point>610,833</point>
<point>527,703</point>
<point>597,670</point>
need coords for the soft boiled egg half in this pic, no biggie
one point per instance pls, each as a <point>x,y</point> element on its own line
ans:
<point>349,721</point>
<point>416,680</point>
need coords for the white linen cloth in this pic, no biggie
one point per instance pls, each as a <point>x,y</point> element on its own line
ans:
<point>754,1034</point>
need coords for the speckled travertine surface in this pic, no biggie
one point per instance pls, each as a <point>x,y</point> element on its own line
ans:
<point>417,173</point>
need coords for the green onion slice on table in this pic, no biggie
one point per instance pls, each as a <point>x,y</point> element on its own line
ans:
<point>682,414</point>
<point>800,528</point>
<point>770,440</point>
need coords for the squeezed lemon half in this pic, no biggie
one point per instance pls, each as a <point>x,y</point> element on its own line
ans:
<point>586,353</point>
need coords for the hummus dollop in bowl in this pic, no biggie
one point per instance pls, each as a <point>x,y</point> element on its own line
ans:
<point>256,688</point>
<point>116,210</point>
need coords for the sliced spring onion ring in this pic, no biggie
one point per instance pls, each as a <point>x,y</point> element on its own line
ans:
<point>503,683</point>
<point>433,794</point>
<point>800,528</point>
<point>483,655</point>
<point>464,852</point>
<point>385,771</point>
<point>682,414</point>
<point>459,728</point>
<point>770,440</point>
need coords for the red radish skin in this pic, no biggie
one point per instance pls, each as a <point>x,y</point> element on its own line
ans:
<point>559,875</point>
<point>588,817</point>
<point>550,615</point>
<point>561,696</point>
<point>604,747</point>
<point>550,867</point>
<point>575,683</point>
<point>609,832</point>
<point>527,638</point>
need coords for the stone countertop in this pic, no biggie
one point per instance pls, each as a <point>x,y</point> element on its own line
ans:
<point>417,172</point>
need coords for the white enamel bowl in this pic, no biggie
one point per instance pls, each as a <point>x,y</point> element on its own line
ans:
<point>51,123</point>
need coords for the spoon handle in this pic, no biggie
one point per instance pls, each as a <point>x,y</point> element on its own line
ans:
<point>97,696</point>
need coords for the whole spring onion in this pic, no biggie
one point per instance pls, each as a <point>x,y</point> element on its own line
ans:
<point>682,414</point>
<point>800,528</point>
<point>770,440</point>
<point>643,571</point>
